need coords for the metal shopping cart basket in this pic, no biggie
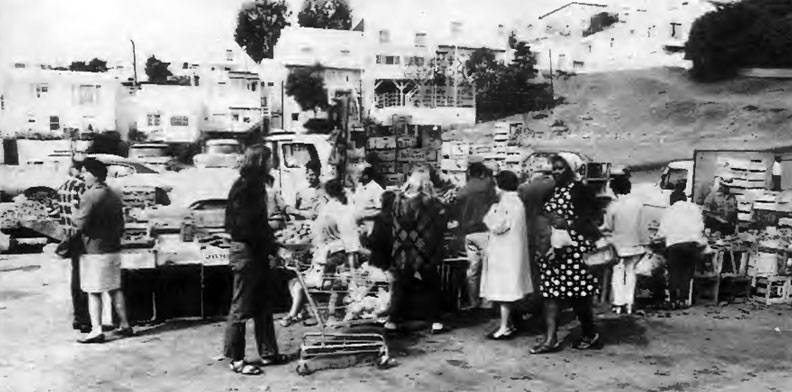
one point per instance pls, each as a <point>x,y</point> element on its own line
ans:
<point>329,302</point>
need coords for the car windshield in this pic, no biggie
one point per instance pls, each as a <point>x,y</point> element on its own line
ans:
<point>223,149</point>
<point>673,177</point>
<point>136,152</point>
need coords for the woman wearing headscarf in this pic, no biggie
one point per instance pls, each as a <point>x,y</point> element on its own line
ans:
<point>506,271</point>
<point>100,222</point>
<point>419,223</point>
<point>563,273</point>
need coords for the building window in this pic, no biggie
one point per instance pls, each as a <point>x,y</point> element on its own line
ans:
<point>235,117</point>
<point>153,119</point>
<point>380,59</point>
<point>252,86</point>
<point>88,94</point>
<point>392,60</point>
<point>415,60</point>
<point>456,27</point>
<point>420,40</point>
<point>2,102</point>
<point>264,102</point>
<point>40,89</point>
<point>246,120</point>
<point>54,123</point>
<point>229,55</point>
<point>295,116</point>
<point>345,52</point>
<point>179,121</point>
<point>675,29</point>
<point>384,36</point>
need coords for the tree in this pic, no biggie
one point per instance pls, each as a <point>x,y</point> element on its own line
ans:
<point>306,85</point>
<point>325,14</point>
<point>95,65</point>
<point>259,25</point>
<point>157,70</point>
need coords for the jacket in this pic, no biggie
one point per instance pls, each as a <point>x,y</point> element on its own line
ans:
<point>100,220</point>
<point>473,202</point>
<point>246,216</point>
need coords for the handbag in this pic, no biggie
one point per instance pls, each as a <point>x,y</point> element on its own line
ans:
<point>69,246</point>
<point>604,254</point>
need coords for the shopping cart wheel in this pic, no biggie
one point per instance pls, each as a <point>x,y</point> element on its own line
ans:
<point>302,369</point>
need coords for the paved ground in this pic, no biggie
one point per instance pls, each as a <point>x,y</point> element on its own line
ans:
<point>734,348</point>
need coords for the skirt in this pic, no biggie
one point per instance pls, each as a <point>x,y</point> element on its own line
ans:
<point>100,273</point>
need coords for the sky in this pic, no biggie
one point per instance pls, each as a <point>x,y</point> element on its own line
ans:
<point>60,31</point>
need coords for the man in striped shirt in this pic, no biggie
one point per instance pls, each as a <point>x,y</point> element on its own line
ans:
<point>69,194</point>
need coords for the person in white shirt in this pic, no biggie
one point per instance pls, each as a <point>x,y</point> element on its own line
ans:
<point>682,227</point>
<point>777,171</point>
<point>367,199</point>
<point>311,198</point>
<point>622,224</point>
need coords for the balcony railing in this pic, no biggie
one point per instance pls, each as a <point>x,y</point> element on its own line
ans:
<point>428,97</point>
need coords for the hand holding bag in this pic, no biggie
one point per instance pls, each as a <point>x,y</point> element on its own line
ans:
<point>648,264</point>
<point>604,254</point>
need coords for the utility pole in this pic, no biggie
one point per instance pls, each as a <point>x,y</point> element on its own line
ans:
<point>134,66</point>
<point>552,89</point>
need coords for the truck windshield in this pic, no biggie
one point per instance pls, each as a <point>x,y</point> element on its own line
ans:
<point>298,154</point>
<point>673,177</point>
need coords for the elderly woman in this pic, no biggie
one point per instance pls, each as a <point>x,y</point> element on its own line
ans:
<point>506,271</point>
<point>418,227</point>
<point>563,273</point>
<point>100,221</point>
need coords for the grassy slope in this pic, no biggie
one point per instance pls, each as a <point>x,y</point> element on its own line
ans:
<point>650,116</point>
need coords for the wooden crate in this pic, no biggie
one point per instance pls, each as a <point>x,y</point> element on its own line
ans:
<point>771,290</point>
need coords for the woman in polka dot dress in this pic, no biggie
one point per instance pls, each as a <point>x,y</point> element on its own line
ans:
<point>564,277</point>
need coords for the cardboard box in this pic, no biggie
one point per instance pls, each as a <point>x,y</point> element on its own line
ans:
<point>386,155</point>
<point>453,164</point>
<point>407,142</point>
<point>411,155</point>
<point>387,167</point>
<point>431,155</point>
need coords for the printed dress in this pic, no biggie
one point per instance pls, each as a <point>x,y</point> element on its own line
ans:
<point>564,274</point>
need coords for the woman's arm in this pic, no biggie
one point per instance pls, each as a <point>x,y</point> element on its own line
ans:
<point>81,215</point>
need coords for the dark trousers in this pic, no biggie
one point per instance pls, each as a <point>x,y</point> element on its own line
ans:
<point>250,300</point>
<point>416,298</point>
<point>777,183</point>
<point>79,298</point>
<point>681,261</point>
<point>584,311</point>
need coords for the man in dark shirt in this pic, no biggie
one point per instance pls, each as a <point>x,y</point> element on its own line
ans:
<point>472,203</point>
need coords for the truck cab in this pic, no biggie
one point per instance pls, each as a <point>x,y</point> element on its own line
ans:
<point>291,152</point>
<point>658,194</point>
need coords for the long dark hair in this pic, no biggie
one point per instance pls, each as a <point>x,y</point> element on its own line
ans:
<point>254,163</point>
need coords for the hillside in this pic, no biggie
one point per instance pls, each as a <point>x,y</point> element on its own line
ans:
<point>650,116</point>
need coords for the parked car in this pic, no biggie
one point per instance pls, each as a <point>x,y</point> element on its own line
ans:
<point>219,153</point>
<point>155,155</point>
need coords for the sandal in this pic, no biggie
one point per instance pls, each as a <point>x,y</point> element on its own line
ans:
<point>589,343</point>
<point>245,368</point>
<point>290,320</point>
<point>277,359</point>
<point>546,348</point>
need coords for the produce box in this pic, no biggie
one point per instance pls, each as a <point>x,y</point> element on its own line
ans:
<point>411,155</point>
<point>381,142</point>
<point>8,216</point>
<point>453,164</point>
<point>431,155</point>
<point>136,235</point>
<point>394,179</point>
<point>771,290</point>
<point>138,196</point>
<point>407,142</point>
<point>455,149</point>
<point>386,155</point>
<point>387,167</point>
<point>295,233</point>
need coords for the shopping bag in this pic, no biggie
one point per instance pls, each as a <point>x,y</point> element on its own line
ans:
<point>604,254</point>
<point>560,239</point>
<point>649,263</point>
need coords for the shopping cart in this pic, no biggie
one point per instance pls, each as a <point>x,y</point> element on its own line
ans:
<point>333,302</point>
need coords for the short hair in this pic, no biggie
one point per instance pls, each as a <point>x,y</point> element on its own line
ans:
<point>254,160</point>
<point>95,167</point>
<point>507,180</point>
<point>335,189</point>
<point>388,198</point>
<point>314,166</point>
<point>621,185</point>
<point>477,169</point>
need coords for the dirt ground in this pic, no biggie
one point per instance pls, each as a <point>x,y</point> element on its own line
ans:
<point>740,347</point>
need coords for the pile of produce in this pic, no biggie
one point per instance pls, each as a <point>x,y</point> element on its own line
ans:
<point>295,233</point>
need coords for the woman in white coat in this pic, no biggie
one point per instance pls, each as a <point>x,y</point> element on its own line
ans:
<point>506,275</point>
